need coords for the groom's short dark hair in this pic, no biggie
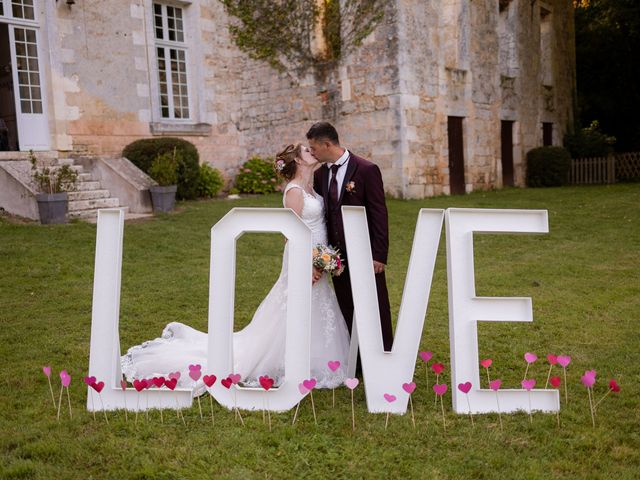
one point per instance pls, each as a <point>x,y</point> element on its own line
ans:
<point>323,131</point>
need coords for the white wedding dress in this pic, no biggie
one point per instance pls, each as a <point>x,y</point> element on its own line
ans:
<point>259,347</point>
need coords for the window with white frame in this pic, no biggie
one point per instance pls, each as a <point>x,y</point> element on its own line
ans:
<point>23,9</point>
<point>171,52</point>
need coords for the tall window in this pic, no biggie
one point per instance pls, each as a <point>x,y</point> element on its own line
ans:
<point>23,9</point>
<point>171,51</point>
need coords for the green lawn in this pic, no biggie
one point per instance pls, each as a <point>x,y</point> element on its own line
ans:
<point>583,277</point>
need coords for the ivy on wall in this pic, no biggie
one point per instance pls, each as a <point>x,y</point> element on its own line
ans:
<point>301,34</point>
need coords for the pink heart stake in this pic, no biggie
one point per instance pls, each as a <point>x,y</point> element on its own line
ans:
<point>195,372</point>
<point>65,381</point>
<point>157,382</point>
<point>267,382</point>
<point>140,385</point>
<point>89,381</point>
<point>47,371</point>
<point>310,384</point>
<point>555,383</point>
<point>171,382</point>
<point>98,386</point>
<point>389,398</point>
<point>351,384</point>
<point>440,391</point>
<point>437,369</point>
<point>410,388</point>
<point>426,356</point>
<point>303,391</point>
<point>528,385</point>
<point>613,387</point>
<point>466,388</point>
<point>123,386</point>
<point>209,380</point>
<point>553,360</point>
<point>486,363</point>
<point>564,361</point>
<point>588,380</point>
<point>529,358</point>
<point>234,379</point>
<point>495,386</point>
<point>333,365</point>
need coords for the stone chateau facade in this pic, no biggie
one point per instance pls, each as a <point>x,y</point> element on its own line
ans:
<point>446,96</point>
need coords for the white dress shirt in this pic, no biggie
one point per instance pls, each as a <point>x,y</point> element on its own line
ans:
<point>342,171</point>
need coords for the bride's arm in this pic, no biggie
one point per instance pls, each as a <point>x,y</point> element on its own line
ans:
<point>294,200</point>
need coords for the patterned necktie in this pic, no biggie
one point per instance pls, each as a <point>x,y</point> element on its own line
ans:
<point>333,185</point>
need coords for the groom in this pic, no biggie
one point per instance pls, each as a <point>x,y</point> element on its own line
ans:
<point>346,179</point>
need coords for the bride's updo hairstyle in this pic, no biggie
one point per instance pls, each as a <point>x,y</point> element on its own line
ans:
<point>285,163</point>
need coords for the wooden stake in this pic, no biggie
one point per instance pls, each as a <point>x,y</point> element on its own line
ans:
<point>60,402</point>
<point>103,410</point>
<point>470,414</point>
<point>353,414</point>
<point>593,418</point>
<point>566,394</point>
<point>314,408</point>
<point>296,413</point>
<point>548,376</point>
<point>499,414</point>
<point>69,400</point>
<point>386,422</point>
<point>93,410</point>
<point>444,422</point>
<point>53,399</point>
<point>413,418</point>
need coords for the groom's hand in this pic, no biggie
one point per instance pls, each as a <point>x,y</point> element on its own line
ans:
<point>378,267</point>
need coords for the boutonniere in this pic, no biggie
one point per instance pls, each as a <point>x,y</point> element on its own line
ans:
<point>351,187</point>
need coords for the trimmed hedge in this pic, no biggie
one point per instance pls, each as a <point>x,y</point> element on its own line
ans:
<point>143,152</point>
<point>548,167</point>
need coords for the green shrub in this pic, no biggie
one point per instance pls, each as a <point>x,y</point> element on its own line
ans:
<point>52,180</point>
<point>257,176</point>
<point>143,152</point>
<point>589,142</point>
<point>210,182</point>
<point>547,166</point>
<point>164,168</point>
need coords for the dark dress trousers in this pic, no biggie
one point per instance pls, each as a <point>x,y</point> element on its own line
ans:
<point>362,186</point>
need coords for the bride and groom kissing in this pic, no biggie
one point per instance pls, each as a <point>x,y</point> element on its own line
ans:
<point>321,177</point>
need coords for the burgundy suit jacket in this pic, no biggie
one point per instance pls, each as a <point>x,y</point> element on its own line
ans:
<point>368,192</point>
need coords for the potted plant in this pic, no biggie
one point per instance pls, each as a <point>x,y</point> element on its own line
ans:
<point>164,170</point>
<point>52,186</point>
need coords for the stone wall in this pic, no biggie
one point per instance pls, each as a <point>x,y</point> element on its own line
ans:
<point>389,98</point>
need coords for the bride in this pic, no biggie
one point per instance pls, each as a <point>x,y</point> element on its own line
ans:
<point>259,347</point>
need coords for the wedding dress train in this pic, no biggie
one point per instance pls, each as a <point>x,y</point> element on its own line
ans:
<point>259,347</point>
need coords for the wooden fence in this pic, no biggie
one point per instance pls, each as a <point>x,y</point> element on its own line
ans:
<point>619,167</point>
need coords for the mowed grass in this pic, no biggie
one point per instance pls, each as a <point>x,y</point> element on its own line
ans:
<point>583,278</point>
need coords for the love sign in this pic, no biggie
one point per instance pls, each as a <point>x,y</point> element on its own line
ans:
<point>380,369</point>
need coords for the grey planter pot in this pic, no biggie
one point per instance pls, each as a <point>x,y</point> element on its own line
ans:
<point>52,207</point>
<point>163,198</point>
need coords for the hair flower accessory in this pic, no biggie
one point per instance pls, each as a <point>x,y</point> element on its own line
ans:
<point>351,187</point>
<point>279,165</point>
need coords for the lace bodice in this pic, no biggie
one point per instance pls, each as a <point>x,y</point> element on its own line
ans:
<point>312,213</point>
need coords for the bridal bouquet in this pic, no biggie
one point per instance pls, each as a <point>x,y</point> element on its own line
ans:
<point>327,259</point>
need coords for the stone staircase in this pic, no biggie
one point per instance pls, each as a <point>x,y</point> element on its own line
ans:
<point>89,196</point>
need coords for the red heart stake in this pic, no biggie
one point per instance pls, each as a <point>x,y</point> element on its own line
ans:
<point>226,382</point>
<point>139,385</point>
<point>97,386</point>
<point>209,380</point>
<point>266,382</point>
<point>171,383</point>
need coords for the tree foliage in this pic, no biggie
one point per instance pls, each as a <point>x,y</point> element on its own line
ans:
<point>608,67</point>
